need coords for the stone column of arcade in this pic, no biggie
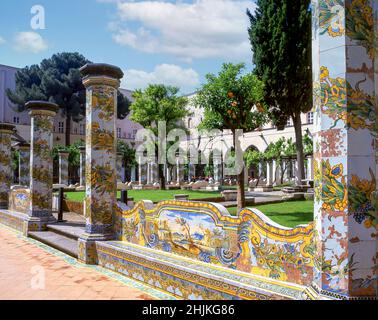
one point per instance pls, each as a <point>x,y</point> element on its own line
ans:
<point>345,73</point>
<point>269,173</point>
<point>82,165</point>
<point>101,82</point>
<point>6,131</point>
<point>41,174</point>
<point>24,164</point>
<point>63,167</point>
<point>310,168</point>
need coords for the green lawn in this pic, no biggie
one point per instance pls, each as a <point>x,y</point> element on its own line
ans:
<point>153,195</point>
<point>288,214</point>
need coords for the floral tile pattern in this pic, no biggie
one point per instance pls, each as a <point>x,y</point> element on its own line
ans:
<point>24,166</point>
<point>63,168</point>
<point>101,159</point>
<point>201,231</point>
<point>345,101</point>
<point>5,165</point>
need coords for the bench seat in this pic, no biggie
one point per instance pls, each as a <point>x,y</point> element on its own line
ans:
<point>186,278</point>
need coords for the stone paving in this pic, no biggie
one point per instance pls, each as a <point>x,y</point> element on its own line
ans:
<point>32,271</point>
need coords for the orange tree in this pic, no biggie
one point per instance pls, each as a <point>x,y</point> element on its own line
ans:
<point>232,100</point>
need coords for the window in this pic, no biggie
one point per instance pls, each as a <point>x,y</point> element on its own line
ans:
<point>310,117</point>
<point>189,123</point>
<point>61,127</point>
<point>118,132</point>
<point>16,120</point>
<point>75,130</point>
<point>82,129</point>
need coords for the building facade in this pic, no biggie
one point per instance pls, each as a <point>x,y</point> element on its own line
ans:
<point>126,129</point>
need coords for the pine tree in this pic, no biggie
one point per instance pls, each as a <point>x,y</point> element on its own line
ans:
<point>58,80</point>
<point>280,35</point>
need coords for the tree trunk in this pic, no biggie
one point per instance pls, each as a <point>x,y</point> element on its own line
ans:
<point>299,175</point>
<point>68,130</point>
<point>240,179</point>
<point>241,191</point>
<point>161,176</point>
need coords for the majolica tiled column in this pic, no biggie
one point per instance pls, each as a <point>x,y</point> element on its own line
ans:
<point>82,165</point>
<point>41,174</point>
<point>101,82</point>
<point>345,82</point>
<point>24,164</point>
<point>120,167</point>
<point>63,167</point>
<point>6,131</point>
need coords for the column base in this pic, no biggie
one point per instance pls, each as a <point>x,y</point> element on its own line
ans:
<point>314,293</point>
<point>37,224</point>
<point>87,249</point>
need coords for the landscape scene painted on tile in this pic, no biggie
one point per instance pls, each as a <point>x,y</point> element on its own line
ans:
<point>86,188</point>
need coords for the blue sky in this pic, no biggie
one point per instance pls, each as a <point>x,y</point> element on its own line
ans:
<point>172,42</point>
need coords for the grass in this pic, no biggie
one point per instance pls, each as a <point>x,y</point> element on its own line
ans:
<point>153,195</point>
<point>288,214</point>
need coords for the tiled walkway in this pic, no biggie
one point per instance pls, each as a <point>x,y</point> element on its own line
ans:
<point>30,270</point>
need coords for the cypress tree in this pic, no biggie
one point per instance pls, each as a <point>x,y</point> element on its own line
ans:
<point>280,36</point>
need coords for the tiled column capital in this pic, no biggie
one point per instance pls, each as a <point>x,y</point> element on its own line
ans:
<point>7,128</point>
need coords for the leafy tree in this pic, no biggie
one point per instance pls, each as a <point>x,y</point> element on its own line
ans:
<point>280,35</point>
<point>232,101</point>
<point>159,103</point>
<point>58,80</point>
<point>308,144</point>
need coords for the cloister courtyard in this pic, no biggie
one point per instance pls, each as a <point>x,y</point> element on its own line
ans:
<point>254,180</point>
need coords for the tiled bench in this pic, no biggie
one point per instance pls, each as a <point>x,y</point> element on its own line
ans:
<point>190,279</point>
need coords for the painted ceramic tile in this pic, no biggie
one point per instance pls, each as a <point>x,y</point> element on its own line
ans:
<point>5,168</point>
<point>24,169</point>
<point>201,232</point>
<point>41,163</point>
<point>63,168</point>
<point>101,159</point>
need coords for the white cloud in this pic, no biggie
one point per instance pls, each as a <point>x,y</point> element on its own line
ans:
<point>2,41</point>
<point>202,29</point>
<point>29,41</point>
<point>168,74</point>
